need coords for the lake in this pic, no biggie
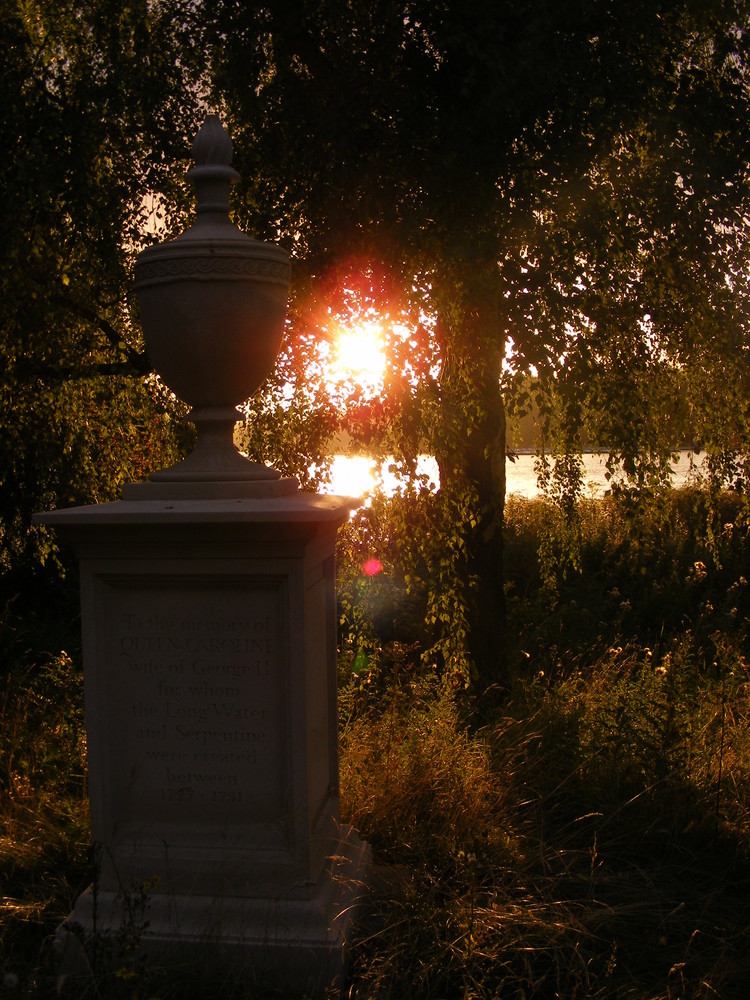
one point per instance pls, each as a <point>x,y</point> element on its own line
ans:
<point>355,475</point>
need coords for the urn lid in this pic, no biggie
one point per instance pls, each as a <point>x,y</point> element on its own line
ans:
<point>213,247</point>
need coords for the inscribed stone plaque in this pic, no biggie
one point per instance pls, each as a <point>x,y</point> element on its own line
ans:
<point>194,678</point>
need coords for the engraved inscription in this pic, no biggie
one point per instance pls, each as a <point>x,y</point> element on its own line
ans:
<point>199,700</point>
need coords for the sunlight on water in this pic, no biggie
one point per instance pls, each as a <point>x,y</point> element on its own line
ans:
<point>358,475</point>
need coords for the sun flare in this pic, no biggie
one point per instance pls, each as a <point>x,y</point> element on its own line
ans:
<point>359,353</point>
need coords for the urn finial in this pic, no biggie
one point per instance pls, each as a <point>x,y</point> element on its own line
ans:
<point>212,176</point>
<point>212,145</point>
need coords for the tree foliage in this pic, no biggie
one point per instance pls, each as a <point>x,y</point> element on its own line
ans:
<point>93,113</point>
<point>560,186</point>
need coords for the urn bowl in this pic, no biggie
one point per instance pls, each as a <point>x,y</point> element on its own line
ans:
<point>213,312</point>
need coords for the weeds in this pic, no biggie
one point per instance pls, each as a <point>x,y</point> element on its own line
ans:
<point>592,840</point>
<point>571,852</point>
<point>589,839</point>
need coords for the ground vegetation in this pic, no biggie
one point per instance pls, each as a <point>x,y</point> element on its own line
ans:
<point>586,835</point>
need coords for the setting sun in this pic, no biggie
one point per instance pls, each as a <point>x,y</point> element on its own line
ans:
<point>359,354</point>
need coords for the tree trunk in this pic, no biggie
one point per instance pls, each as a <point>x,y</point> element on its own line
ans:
<point>471,455</point>
<point>486,472</point>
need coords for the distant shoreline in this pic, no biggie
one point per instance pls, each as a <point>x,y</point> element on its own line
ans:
<point>357,475</point>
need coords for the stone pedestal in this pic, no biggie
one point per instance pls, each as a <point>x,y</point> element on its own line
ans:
<point>210,687</point>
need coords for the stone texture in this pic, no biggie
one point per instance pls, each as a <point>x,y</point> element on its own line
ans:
<point>210,684</point>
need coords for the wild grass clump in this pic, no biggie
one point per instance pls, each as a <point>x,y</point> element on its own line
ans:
<point>673,726</point>
<point>460,908</point>
<point>419,785</point>
<point>647,575</point>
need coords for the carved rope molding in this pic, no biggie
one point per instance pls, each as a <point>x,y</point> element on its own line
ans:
<point>197,268</point>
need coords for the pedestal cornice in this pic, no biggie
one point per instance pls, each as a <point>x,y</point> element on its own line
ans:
<point>298,508</point>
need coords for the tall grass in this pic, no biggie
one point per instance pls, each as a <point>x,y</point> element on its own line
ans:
<point>592,842</point>
<point>43,803</point>
<point>591,839</point>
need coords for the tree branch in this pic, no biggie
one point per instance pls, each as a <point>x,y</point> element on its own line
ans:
<point>28,373</point>
<point>136,362</point>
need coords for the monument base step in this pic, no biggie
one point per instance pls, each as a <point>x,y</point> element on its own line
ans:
<point>298,945</point>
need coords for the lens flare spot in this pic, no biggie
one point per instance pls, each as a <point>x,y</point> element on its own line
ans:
<point>372,567</point>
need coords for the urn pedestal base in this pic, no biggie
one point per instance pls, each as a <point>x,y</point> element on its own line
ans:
<point>298,945</point>
<point>209,643</point>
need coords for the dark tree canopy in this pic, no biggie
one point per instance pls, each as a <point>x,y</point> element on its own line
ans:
<point>566,182</point>
<point>580,168</point>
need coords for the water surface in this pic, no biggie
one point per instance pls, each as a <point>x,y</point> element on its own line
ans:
<point>355,475</point>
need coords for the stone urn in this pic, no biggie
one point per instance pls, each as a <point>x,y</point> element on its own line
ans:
<point>212,304</point>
